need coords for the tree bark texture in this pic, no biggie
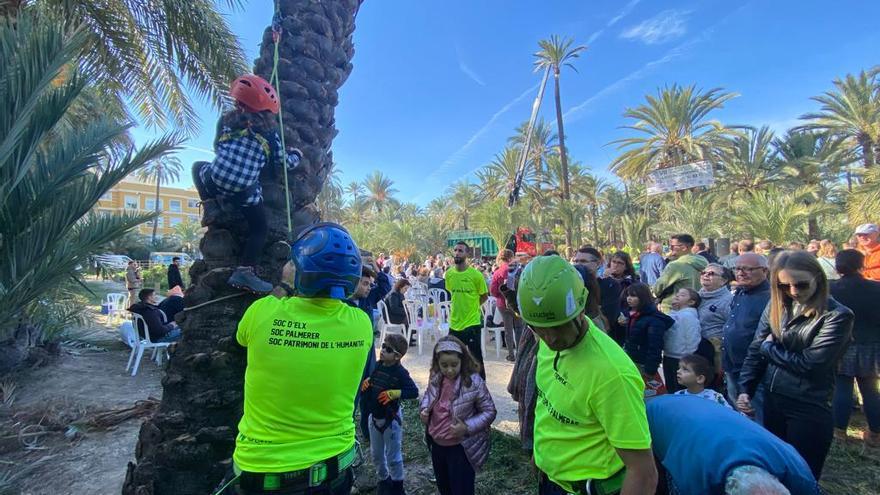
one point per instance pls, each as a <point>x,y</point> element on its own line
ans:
<point>186,447</point>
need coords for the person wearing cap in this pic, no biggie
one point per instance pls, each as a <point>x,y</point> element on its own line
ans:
<point>305,359</point>
<point>591,432</point>
<point>867,234</point>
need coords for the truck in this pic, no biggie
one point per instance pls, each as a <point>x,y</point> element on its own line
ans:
<point>523,240</point>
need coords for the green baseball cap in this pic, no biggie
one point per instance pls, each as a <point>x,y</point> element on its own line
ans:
<point>550,292</point>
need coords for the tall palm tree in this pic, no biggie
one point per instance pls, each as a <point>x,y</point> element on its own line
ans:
<point>774,214</point>
<point>556,53</point>
<point>851,113</point>
<point>544,143</point>
<point>750,163</point>
<point>497,178</point>
<point>329,201</point>
<point>499,220</point>
<point>815,162</point>
<point>149,53</point>
<point>51,177</point>
<point>189,233</point>
<point>355,189</point>
<point>675,130</point>
<point>204,382</point>
<point>699,216</point>
<point>463,199</point>
<point>589,190</point>
<point>380,191</point>
<point>165,169</point>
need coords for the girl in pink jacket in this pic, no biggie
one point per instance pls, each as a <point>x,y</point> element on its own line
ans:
<point>458,411</point>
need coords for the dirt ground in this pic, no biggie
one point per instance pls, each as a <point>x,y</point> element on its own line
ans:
<point>86,380</point>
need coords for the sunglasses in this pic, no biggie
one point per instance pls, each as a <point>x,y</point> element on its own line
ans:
<point>799,286</point>
<point>388,348</point>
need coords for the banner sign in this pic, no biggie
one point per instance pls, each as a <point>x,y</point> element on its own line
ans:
<point>696,174</point>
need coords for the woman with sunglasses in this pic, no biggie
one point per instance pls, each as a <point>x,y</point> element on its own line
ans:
<point>795,356</point>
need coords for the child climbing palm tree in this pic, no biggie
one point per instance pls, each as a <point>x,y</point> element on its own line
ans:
<point>247,140</point>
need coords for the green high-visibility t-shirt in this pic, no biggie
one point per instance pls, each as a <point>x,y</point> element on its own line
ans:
<point>305,359</point>
<point>466,287</point>
<point>590,401</point>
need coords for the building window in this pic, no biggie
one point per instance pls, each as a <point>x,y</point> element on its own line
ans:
<point>174,205</point>
<point>192,203</point>
<point>107,196</point>
<point>151,204</point>
<point>132,203</point>
<point>193,218</point>
<point>158,221</point>
<point>176,221</point>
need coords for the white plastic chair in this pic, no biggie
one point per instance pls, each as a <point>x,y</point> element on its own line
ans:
<point>116,303</point>
<point>386,325</point>
<point>488,310</point>
<point>437,295</point>
<point>419,325</point>
<point>159,348</point>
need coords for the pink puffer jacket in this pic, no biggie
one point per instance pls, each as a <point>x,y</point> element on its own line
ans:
<point>474,406</point>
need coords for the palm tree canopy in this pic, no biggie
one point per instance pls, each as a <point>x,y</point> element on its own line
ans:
<point>675,130</point>
<point>557,52</point>
<point>851,113</point>
<point>149,53</point>
<point>162,171</point>
<point>751,162</point>
<point>380,192</point>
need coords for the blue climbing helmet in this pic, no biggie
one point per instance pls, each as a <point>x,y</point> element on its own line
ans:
<point>328,262</point>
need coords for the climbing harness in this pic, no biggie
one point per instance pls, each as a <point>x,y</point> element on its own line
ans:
<point>275,80</point>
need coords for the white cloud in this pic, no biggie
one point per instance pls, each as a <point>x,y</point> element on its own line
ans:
<point>663,27</point>
<point>463,67</point>
<point>200,150</point>
<point>614,20</point>
<point>460,153</point>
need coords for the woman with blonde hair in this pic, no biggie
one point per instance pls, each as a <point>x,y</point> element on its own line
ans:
<point>795,356</point>
<point>825,256</point>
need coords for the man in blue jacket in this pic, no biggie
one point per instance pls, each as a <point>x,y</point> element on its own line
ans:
<point>707,448</point>
<point>749,300</point>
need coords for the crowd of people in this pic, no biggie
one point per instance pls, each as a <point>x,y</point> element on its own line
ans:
<point>691,374</point>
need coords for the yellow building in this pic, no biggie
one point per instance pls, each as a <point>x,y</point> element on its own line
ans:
<point>177,205</point>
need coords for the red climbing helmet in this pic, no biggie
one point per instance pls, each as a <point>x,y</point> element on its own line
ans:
<point>254,93</point>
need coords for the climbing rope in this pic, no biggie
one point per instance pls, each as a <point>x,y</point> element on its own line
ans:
<point>212,301</point>
<point>275,81</point>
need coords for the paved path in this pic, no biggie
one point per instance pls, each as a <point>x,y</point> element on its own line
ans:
<point>498,372</point>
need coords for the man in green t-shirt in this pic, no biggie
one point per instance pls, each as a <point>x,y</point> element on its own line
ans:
<point>591,431</point>
<point>305,359</point>
<point>469,291</point>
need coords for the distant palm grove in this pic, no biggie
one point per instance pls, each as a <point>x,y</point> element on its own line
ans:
<point>815,181</point>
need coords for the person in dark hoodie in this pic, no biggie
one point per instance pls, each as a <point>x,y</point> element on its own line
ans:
<point>394,302</point>
<point>645,328</point>
<point>160,330</point>
<point>366,297</point>
<point>383,390</point>
<point>174,278</point>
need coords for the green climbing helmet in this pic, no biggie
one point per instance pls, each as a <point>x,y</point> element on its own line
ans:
<point>550,292</point>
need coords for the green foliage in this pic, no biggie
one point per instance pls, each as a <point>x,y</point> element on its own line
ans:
<point>144,55</point>
<point>498,220</point>
<point>47,193</point>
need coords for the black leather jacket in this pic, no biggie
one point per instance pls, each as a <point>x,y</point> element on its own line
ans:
<point>802,366</point>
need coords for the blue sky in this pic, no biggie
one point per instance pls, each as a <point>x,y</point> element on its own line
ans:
<point>438,87</point>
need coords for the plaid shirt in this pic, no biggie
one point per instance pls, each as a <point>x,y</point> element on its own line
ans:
<point>238,163</point>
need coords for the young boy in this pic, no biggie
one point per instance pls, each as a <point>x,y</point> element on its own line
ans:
<point>387,384</point>
<point>684,336</point>
<point>694,373</point>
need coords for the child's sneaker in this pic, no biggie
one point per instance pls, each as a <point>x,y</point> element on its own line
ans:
<point>244,278</point>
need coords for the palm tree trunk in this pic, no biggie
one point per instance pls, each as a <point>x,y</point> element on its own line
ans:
<point>563,155</point>
<point>185,448</point>
<point>867,145</point>
<point>156,220</point>
<point>594,213</point>
<point>813,227</point>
